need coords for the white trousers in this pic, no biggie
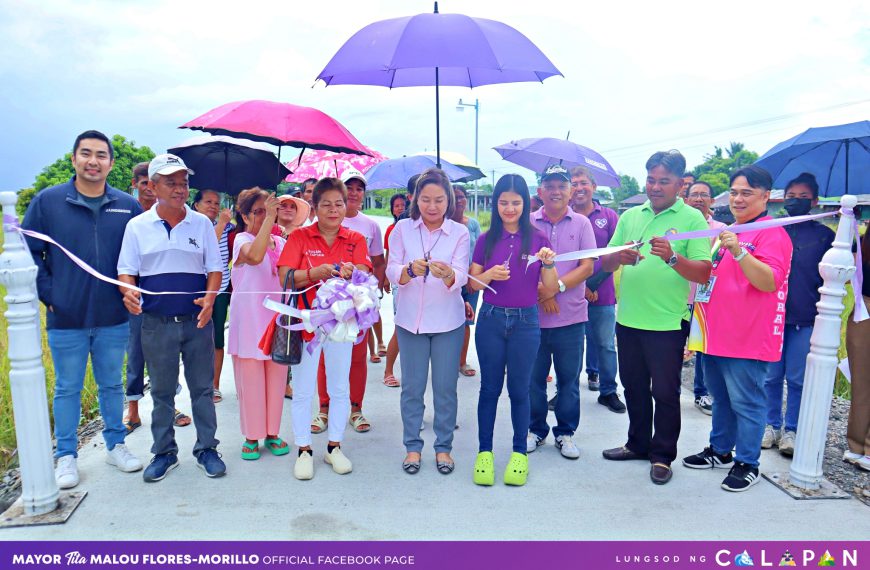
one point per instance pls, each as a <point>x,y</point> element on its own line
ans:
<point>336,356</point>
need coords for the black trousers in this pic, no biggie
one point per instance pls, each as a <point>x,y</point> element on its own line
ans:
<point>650,364</point>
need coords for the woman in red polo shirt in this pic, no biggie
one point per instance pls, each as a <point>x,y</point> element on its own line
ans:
<point>316,253</point>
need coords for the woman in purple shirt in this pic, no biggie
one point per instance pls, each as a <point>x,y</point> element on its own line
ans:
<point>429,265</point>
<point>508,332</point>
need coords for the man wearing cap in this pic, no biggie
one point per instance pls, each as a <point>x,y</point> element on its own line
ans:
<point>562,315</point>
<point>355,220</point>
<point>172,248</point>
<point>652,318</point>
<point>84,316</point>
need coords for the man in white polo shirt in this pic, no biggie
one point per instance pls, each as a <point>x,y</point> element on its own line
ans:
<point>172,248</point>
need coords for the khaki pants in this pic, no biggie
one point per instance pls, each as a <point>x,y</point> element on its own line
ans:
<point>858,348</point>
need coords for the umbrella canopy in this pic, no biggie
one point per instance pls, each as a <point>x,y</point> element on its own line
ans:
<point>437,49</point>
<point>394,173</point>
<point>225,164</point>
<point>838,156</point>
<point>278,124</point>
<point>540,153</point>
<point>461,161</point>
<point>322,163</point>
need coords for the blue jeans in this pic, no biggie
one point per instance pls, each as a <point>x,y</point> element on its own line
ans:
<point>792,367</point>
<point>560,348</point>
<point>700,387</point>
<point>737,387</point>
<point>70,349</point>
<point>600,347</point>
<point>505,338</point>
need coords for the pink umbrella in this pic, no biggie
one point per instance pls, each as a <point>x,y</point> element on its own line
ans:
<point>322,163</point>
<point>278,124</point>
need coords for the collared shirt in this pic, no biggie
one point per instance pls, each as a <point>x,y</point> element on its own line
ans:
<point>573,232</point>
<point>170,259</point>
<point>604,222</point>
<point>521,290</point>
<point>426,304</point>
<point>652,296</point>
<point>306,249</point>
<point>741,321</point>
<point>223,245</point>
<point>369,229</point>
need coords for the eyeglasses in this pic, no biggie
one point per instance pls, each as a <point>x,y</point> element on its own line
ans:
<point>697,195</point>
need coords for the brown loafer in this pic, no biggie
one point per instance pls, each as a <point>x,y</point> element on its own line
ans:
<point>622,454</point>
<point>660,473</point>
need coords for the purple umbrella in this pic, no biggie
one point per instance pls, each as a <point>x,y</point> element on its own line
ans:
<point>437,49</point>
<point>538,154</point>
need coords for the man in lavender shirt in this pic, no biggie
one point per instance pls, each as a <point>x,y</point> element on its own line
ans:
<point>601,327</point>
<point>562,315</point>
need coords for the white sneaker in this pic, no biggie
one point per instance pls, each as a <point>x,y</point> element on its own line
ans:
<point>304,468</point>
<point>566,447</point>
<point>786,443</point>
<point>340,463</point>
<point>533,442</point>
<point>66,474</point>
<point>858,460</point>
<point>771,437</point>
<point>121,458</point>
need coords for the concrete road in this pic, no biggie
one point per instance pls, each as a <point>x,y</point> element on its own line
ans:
<point>587,499</point>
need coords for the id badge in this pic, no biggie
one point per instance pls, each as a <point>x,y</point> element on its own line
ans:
<point>702,295</point>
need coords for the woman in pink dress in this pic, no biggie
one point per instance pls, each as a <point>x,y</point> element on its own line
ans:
<point>259,381</point>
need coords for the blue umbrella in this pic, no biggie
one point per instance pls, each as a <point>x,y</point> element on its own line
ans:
<point>838,156</point>
<point>394,173</point>
<point>229,165</point>
<point>540,153</point>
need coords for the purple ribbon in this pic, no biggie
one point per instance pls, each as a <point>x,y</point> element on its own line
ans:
<point>10,222</point>
<point>741,228</point>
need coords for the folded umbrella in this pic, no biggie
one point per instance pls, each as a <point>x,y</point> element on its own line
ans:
<point>540,153</point>
<point>229,165</point>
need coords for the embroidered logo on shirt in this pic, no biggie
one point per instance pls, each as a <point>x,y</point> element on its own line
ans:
<point>118,211</point>
<point>671,231</point>
<point>192,241</point>
<point>601,223</point>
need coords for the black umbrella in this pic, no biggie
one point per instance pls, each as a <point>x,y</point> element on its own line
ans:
<point>229,165</point>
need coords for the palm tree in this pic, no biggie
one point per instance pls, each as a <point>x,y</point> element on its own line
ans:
<point>734,148</point>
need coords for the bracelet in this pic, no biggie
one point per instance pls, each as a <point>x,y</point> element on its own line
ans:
<point>308,275</point>
<point>411,271</point>
<point>548,265</point>
<point>743,253</point>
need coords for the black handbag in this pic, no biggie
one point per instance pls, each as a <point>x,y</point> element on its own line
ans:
<point>287,344</point>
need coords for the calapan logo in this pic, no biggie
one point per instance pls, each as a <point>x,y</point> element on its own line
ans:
<point>671,231</point>
<point>743,559</point>
<point>601,223</point>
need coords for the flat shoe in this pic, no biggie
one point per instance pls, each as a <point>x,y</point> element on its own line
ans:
<point>340,463</point>
<point>660,473</point>
<point>411,467</point>
<point>445,467</point>
<point>622,454</point>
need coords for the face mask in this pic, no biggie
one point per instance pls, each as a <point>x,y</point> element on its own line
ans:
<point>798,206</point>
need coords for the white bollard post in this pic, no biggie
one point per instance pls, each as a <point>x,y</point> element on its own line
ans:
<point>837,268</point>
<point>39,493</point>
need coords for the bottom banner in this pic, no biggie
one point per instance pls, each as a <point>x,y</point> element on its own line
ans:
<point>434,555</point>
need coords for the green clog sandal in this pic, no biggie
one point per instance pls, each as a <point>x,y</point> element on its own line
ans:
<point>250,451</point>
<point>517,470</point>
<point>276,445</point>
<point>484,469</point>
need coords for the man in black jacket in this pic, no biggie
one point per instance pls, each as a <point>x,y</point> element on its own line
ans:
<point>85,317</point>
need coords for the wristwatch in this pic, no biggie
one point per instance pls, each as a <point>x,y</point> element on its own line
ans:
<point>673,260</point>
<point>743,253</point>
<point>562,287</point>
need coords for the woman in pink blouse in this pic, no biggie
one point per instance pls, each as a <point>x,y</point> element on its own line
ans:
<point>429,263</point>
<point>259,381</point>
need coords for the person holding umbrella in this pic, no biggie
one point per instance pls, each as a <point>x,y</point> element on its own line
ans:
<point>429,264</point>
<point>508,331</point>
<point>316,253</point>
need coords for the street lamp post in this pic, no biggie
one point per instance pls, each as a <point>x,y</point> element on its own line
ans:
<point>460,106</point>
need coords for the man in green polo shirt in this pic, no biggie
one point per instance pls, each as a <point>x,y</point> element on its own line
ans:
<point>652,315</point>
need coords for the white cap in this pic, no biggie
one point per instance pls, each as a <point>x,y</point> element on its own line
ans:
<point>353,173</point>
<point>166,164</point>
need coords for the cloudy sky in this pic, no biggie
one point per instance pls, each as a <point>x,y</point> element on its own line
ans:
<point>639,77</point>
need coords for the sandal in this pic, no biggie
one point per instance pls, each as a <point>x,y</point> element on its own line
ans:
<point>181,419</point>
<point>375,358</point>
<point>131,426</point>
<point>277,445</point>
<point>217,396</point>
<point>390,381</point>
<point>484,471</point>
<point>320,422</point>
<point>467,370</point>
<point>517,470</point>
<point>359,423</point>
<point>288,392</point>
<point>382,350</point>
<point>250,450</point>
